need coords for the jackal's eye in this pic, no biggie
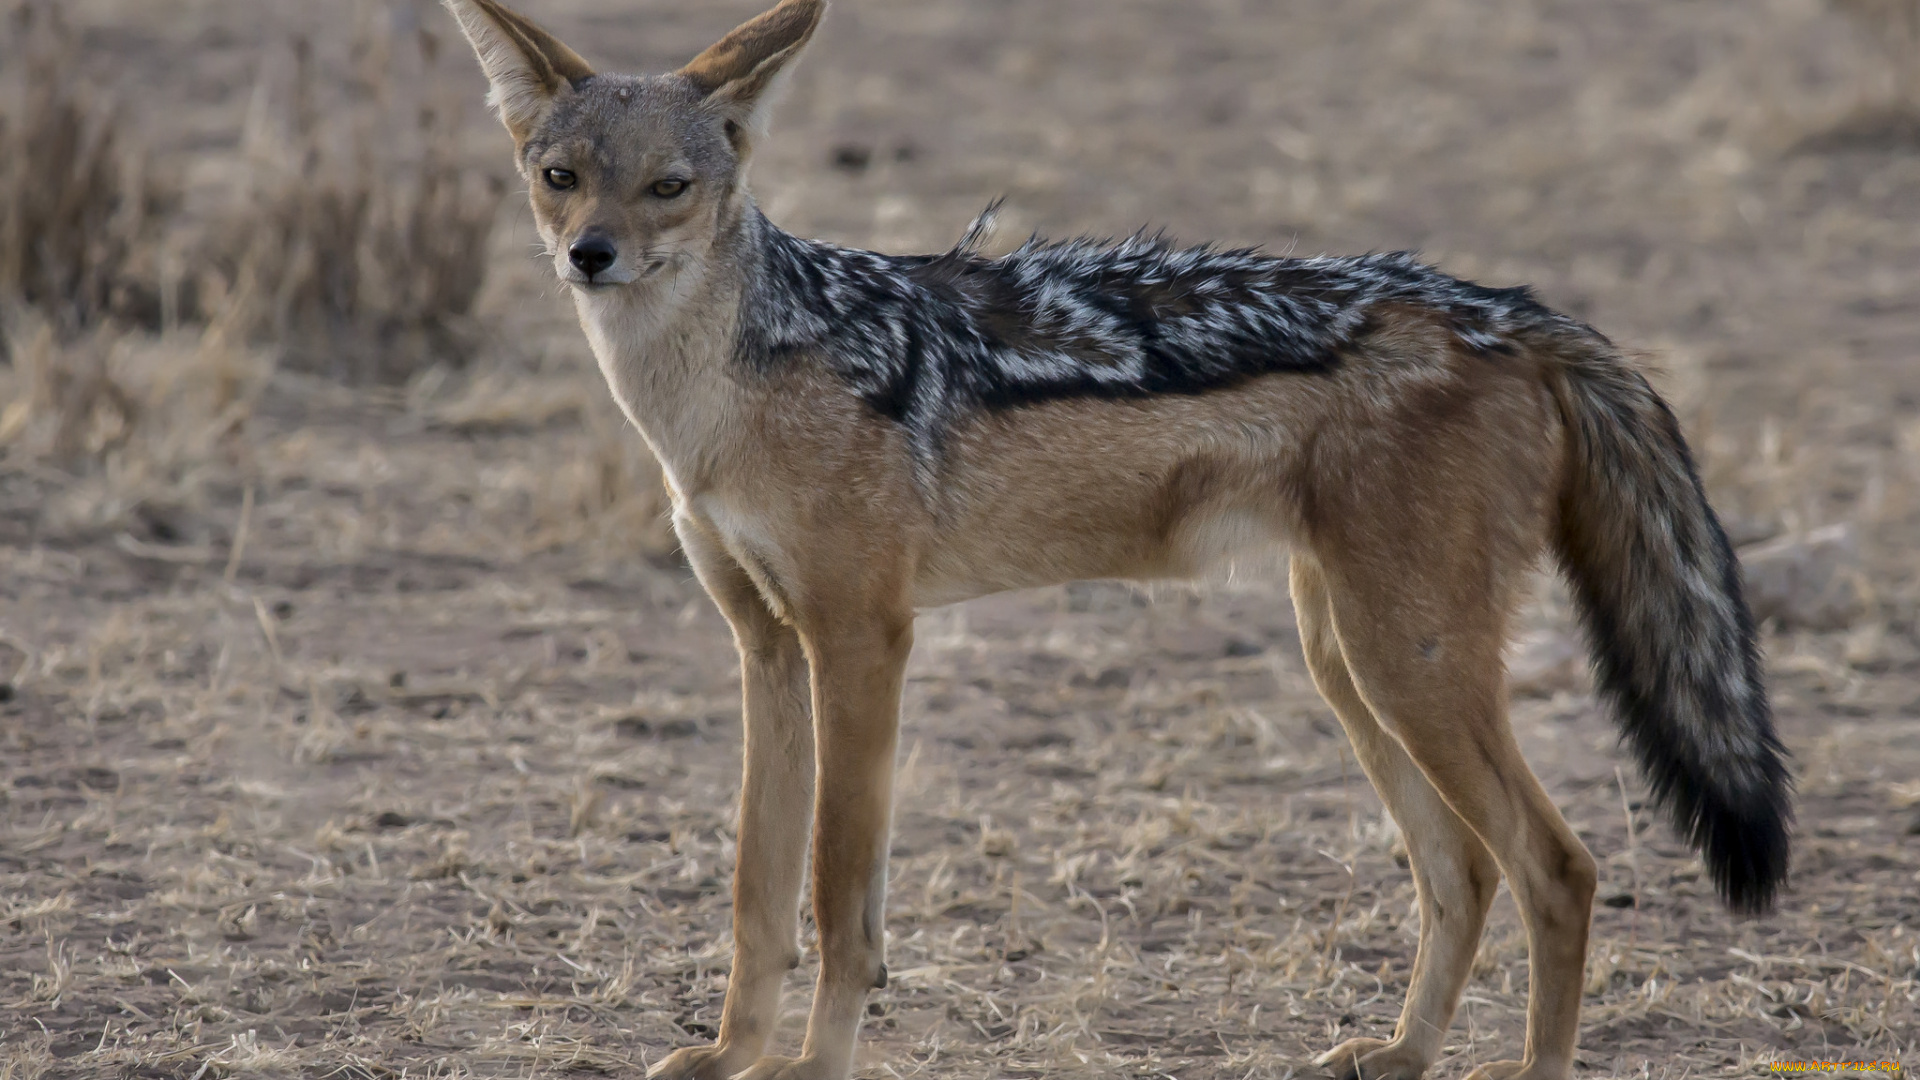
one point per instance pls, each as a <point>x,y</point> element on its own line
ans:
<point>560,179</point>
<point>669,189</point>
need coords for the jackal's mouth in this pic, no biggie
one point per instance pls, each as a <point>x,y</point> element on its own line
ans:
<point>641,269</point>
<point>610,279</point>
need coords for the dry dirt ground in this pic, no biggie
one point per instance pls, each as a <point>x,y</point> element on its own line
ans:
<point>432,780</point>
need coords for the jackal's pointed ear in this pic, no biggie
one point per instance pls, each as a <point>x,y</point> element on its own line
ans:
<point>527,66</point>
<point>742,72</point>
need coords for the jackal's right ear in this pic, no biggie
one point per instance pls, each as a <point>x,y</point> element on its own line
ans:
<point>742,72</point>
<point>527,66</point>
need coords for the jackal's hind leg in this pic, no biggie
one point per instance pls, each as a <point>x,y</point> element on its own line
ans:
<point>1454,875</point>
<point>1423,651</point>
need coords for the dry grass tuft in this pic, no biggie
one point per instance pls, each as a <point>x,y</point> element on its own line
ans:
<point>80,250</point>
<point>361,236</point>
<point>145,425</point>
<point>77,233</point>
<point>76,203</point>
<point>356,250</point>
<point>66,403</point>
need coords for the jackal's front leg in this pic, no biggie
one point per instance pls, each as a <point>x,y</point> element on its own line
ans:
<point>857,670</point>
<point>775,800</point>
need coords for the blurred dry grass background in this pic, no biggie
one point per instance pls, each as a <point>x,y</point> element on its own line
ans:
<point>357,721</point>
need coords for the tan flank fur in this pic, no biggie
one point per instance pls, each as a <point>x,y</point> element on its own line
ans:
<point>850,438</point>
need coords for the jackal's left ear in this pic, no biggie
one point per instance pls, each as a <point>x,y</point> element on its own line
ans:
<point>527,66</point>
<point>743,71</point>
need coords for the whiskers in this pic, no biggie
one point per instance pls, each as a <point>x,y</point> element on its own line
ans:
<point>650,261</point>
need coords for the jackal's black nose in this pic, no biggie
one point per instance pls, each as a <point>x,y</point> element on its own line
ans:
<point>592,254</point>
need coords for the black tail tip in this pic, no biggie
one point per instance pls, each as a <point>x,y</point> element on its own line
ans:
<point>1746,855</point>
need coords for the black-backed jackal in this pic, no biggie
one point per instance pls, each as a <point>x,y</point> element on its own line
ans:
<point>851,437</point>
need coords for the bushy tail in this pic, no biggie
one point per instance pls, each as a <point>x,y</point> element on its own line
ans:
<point>1673,647</point>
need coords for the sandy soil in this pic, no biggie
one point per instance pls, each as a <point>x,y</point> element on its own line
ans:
<point>410,787</point>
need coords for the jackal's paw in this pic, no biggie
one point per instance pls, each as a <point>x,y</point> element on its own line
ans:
<point>699,1063</point>
<point>1371,1059</point>
<point>785,1068</point>
<point>1514,1070</point>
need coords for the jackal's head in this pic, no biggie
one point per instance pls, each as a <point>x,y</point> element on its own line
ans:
<point>633,178</point>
